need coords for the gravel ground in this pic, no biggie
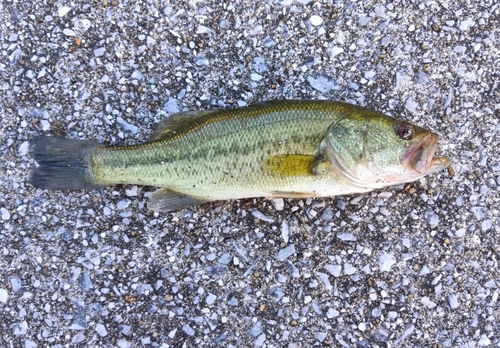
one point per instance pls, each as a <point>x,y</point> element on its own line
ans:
<point>409,266</point>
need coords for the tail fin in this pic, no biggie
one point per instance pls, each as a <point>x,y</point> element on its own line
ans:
<point>63,164</point>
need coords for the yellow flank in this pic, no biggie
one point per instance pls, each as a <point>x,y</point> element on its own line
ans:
<point>290,165</point>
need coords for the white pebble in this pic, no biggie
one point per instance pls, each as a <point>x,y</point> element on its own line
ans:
<point>260,340</point>
<point>465,25</point>
<point>63,11</point>
<point>69,32</point>
<point>45,125</point>
<point>150,41</point>
<point>324,279</point>
<point>356,199</point>
<point>24,148</point>
<point>320,336</point>
<point>322,83</point>
<point>431,218</point>
<point>484,341</point>
<point>386,261</point>
<point>485,225</point>
<point>257,214</point>
<point>332,313</point>
<point>210,298</point>
<point>4,296</point>
<point>284,231</point>
<point>201,29</point>
<point>336,51</point>
<point>284,253</point>
<point>124,203</point>
<point>411,105</point>
<point>453,301</point>
<point>127,126</point>
<point>316,20</point>
<point>5,214</point>
<point>20,328</point>
<point>255,77</point>
<point>279,204</point>
<point>101,330</point>
<point>346,237</point>
<point>349,269</point>
<point>427,302</point>
<point>188,330</point>
<point>83,24</point>
<point>425,270</point>
<point>98,52</point>
<point>335,270</point>
<point>123,344</point>
<point>132,192</point>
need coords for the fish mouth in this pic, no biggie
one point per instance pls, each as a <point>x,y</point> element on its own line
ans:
<point>421,158</point>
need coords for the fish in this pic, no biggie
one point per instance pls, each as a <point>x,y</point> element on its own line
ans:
<point>273,149</point>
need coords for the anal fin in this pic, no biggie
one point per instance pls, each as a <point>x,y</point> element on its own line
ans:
<point>165,200</point>
<point>290,194</point>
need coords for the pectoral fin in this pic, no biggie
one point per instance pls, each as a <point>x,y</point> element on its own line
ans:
<point>290,165</point>
<point>165,200</point>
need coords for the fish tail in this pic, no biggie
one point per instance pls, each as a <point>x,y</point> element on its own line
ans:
<point>63,164</point>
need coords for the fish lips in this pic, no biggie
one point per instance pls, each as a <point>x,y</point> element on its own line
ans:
<point>420,157</point>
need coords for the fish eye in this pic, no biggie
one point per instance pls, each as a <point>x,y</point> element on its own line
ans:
<point>405,131</point>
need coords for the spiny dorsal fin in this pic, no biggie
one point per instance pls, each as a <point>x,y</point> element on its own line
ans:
<point>164,200</point>
<point>290,165</point>
<point>177,121</point>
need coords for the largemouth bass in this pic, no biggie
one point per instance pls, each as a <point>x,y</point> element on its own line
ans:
<point>289,149</point>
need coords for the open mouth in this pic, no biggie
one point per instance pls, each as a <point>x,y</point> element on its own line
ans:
<point>421,157</point>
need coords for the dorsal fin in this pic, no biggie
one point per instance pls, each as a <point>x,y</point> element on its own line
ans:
<point>177,121</point>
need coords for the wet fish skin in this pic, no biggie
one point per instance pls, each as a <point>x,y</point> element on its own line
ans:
<point>271,149</point>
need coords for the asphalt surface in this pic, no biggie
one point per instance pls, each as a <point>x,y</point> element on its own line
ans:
<point>409,266</point>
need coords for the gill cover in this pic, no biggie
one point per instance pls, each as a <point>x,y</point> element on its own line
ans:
<point>344,145</point>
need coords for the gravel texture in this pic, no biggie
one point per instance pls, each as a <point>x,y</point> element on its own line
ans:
<point>411,266</point>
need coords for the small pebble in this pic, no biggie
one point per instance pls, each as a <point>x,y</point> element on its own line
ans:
<point>279,204</point>
<point>5,214</point>
<point>286,252</point>
<point>386,261</point>
<point>63,11</point>
<point>257,214</point>
<point>101,330</point>
<point>4,296</point>
<point>427,302</point>
<point>316,20</point>
<point>335,270</point>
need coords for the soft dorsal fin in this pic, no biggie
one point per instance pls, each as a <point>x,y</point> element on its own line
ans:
<point>177,121</point>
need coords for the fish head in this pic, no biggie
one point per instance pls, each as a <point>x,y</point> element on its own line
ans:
<point>374,150</point>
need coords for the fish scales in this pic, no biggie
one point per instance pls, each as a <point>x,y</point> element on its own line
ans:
<point>225,151</point>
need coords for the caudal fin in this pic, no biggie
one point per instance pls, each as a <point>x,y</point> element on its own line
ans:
<point>63,164</point>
